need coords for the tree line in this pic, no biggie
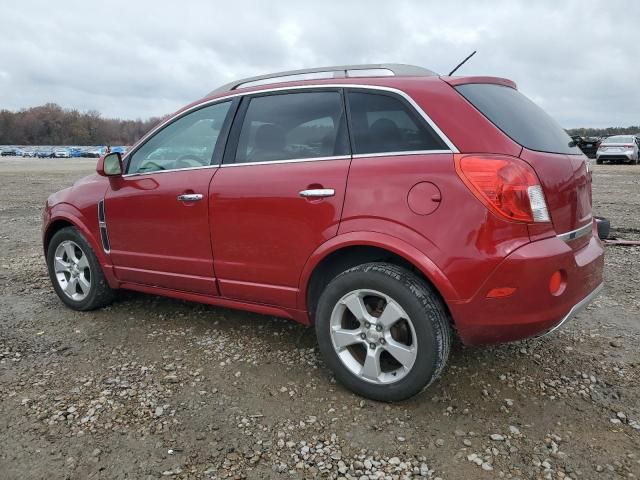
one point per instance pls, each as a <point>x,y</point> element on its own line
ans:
<point>51,124</point>
<point>599,132</point>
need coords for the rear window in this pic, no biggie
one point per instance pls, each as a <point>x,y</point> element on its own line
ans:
<point>518,117</point>
<point>618,139</point>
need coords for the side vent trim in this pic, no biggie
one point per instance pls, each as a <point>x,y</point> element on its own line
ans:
<point>104,236</point>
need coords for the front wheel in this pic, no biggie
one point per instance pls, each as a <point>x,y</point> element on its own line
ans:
<point>75,271</point>
<point>383,331</point>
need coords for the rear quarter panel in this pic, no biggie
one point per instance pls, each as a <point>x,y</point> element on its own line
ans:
<point>461,237</point>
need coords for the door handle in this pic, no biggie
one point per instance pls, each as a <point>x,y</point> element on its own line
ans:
<point>318,193</point>
<point>190,197</point>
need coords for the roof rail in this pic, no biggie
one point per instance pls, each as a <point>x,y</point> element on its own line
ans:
<point>340,71</point>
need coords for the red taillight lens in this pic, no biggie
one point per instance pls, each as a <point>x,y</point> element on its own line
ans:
<point>506,185</point>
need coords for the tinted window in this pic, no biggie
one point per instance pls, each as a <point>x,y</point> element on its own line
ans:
<point>518,117</point>
<point>292,126</point>
<point>188,142</point>
<point>383,123</point>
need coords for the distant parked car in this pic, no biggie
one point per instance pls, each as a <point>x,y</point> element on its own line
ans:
<point>29,153</point>
<point>75,152</point>
<point>588,145</point>
<point>44,153</point>
<point>9,152</point>
<point>120,150</point>
<point>619,148</point>
<point>92,152</point>
<point>61,153</point>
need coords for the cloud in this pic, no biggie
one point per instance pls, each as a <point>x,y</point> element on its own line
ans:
<point>577,59</point>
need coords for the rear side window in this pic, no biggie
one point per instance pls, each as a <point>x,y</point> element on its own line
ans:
<point>293,126</point>
<point>383,123</point>
<point>518,117</point>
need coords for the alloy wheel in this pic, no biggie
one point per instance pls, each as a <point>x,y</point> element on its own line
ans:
<point>373,336</point>
<point>72,270</point>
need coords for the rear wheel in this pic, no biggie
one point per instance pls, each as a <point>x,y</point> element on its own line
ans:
<point>383,331</point>
<point>75,272</point>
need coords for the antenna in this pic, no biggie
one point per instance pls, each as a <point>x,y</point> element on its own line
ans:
<point>462,63</point>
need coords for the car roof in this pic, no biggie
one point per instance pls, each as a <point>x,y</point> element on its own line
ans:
<point>404,78</point>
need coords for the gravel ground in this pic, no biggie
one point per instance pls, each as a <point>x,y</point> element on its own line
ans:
<point>152,387</point>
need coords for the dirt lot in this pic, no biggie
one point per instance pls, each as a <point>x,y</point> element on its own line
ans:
<point>152,387</point>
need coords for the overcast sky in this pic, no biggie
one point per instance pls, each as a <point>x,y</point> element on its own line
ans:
<point>580,60</point>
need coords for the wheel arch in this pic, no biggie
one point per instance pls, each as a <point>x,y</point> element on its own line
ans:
<point>65,215</point>
<point>51,229</point>
<point>348,250</point>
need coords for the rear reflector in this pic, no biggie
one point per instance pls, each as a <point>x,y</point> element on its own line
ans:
<point>557,282</point>
<point>507,185</point>
<point>500,292</point>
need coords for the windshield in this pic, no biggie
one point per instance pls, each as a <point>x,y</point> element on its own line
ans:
<point>618,139</point>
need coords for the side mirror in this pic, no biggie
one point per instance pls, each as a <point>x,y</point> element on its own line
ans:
<point>110,165</point>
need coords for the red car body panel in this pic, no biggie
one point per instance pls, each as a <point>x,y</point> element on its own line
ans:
<point>479,239</point>
<point>567,187</point>
<point>254,243</point>
<point>156,239</point>
<point>263,232</point>
<point>531,309</point>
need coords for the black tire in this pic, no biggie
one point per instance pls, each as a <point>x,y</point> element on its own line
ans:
<point>604,227</point>
<point>599,162</point>
<point>99,294</point>
<point>427,315</point>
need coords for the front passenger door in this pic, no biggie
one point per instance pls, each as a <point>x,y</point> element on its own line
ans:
<point>157,213</point>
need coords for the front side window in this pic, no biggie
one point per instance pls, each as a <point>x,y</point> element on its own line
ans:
<point>186,143</point>
<point>292,126</point>
<point>383,123</point>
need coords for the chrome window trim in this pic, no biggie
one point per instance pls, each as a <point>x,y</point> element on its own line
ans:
<point>292,160</point>
<point>403,94</point>
<point>397,154</point>
<point>297,160</point>
<point>577,233</point>
<point>139,174</point>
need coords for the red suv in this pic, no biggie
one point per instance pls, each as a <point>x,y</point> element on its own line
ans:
<point>383,204</point>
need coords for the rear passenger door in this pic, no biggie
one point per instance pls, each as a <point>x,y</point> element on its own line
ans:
<point>279,193</point>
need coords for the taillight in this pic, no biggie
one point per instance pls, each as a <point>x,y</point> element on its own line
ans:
<point>628,146</point>
<point>507,185</point>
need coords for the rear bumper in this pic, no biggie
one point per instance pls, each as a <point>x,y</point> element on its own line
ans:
<point>531,310</point>
<point>624,156</point>
<point>577,308</point>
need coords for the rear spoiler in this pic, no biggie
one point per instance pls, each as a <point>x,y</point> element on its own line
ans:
<point>455,81</point>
